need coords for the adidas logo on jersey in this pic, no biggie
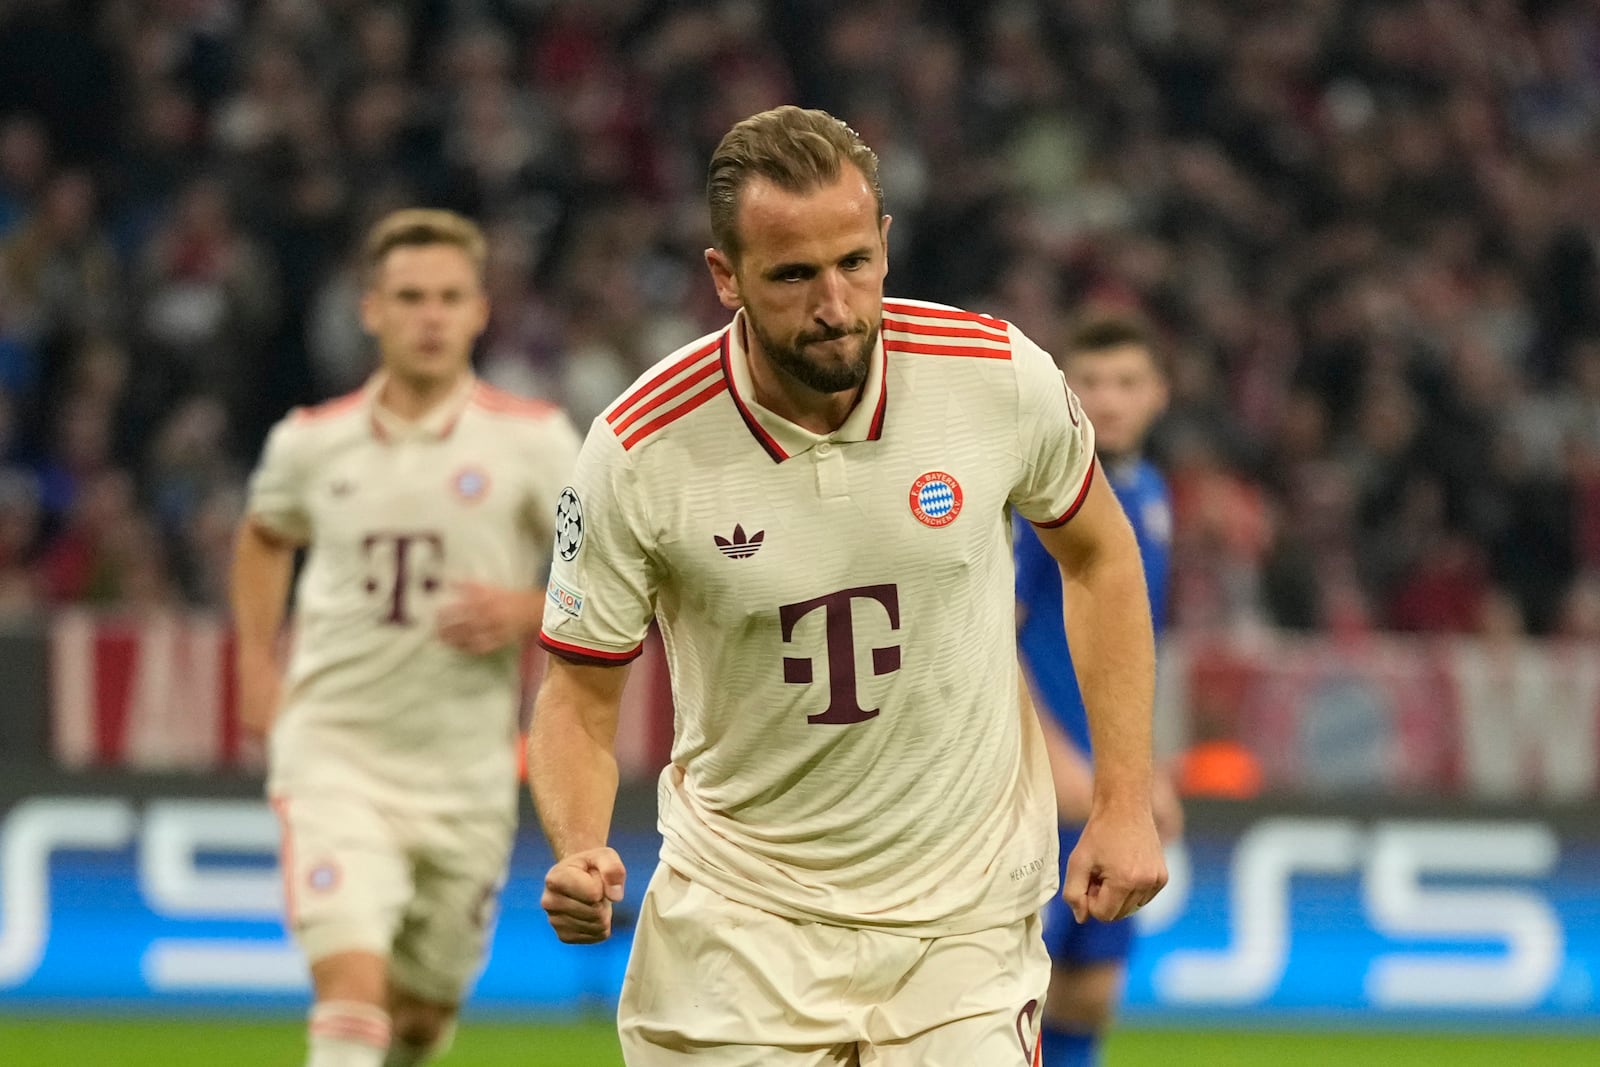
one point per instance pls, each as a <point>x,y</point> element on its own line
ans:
<point>741,547</point>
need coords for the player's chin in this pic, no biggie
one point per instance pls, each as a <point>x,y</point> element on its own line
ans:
<point>1112,441</point>
<point>437,362</point>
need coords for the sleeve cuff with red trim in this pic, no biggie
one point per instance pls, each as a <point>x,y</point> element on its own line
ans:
<point>588,657</point>
<point>1083,494</point>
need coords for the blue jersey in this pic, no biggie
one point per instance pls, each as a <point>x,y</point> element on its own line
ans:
<point>1041,636</point>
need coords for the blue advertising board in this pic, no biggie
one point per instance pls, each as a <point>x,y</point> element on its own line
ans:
<point>1298,919</point>
<point>157,904</point>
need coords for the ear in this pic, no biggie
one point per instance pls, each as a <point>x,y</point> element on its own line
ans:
<point>370,311</point>
<point>883,238</point>
<point>1161,394</point>
<point>725,278</point>
<point>481,320</point>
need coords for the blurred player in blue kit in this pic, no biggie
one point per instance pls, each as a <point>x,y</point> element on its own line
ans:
<point>1111,367</point>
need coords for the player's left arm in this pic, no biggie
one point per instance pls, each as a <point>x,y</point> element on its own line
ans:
<point>1117,866</point>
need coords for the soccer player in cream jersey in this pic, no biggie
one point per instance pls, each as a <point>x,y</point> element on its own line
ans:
<point>426,503</point>
<point>858,823</point>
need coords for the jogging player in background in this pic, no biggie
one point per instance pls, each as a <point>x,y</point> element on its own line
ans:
<point>858,826</point>
<point>1110,365</point>
<point>425,502</point>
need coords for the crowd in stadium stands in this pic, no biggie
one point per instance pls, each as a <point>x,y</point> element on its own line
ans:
<point>1365,231</point>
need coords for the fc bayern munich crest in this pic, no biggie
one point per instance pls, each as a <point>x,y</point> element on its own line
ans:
<point>470,483</point>
<point>323,878</point>
<point>936,499</point>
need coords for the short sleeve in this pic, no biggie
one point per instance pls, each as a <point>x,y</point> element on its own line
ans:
<point>603,580</point>
<point>278,486</point>
<point>555,452</point>
<point>1054,436</point>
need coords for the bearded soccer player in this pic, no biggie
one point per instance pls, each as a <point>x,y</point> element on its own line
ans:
<point>858,824</point>
<point>426,503</point>
<point>1112,369</point>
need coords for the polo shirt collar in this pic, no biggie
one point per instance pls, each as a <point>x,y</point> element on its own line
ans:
<point>436,424</point>
<point>781,438</point>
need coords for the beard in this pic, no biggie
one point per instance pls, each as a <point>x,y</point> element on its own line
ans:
<point>823,376</point>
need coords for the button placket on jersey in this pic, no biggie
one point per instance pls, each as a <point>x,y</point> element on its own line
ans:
<point>832,481</point>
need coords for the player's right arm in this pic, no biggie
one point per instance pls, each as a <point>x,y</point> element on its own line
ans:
<point>572,773</point>
<point>601,600</point>
<point>276,522</point>
<point>263,563</point>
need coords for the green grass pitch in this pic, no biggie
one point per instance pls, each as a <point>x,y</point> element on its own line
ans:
<point>137,1043</point>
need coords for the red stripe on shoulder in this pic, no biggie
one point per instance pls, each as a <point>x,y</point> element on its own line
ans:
<point>623,408</point>
<point>660,399</point>
<point>924,329</point>
<point>675,413</point>
<point>900,307</point>
<point>501,402</point>
<point>339,405</point>
<point>972,351</point>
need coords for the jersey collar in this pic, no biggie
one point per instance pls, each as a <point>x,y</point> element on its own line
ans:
<point>436,425</point>
<point>781,438</point>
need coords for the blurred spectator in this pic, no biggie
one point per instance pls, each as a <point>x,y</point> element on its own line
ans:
<point>21,535</point>
<point>24,164</point>
<point>1366,232</point>
<point>205,302</point>
<point>87,559</point>
<point>57,270</point>
<point>164,153</point>
<point>83,438</point>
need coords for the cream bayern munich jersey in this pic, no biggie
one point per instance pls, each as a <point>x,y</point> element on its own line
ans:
<point>839,618</point>
<point>393,514</point>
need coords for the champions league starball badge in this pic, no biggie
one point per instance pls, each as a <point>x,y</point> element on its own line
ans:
<point>936,499</point>
<point>569,524</point>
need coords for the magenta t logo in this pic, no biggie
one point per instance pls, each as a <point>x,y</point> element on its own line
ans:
<point>844,706</point>
<point>396,561</point>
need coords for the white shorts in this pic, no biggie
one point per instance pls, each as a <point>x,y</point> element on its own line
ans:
<point>712,981</point>
<point>418,888</point>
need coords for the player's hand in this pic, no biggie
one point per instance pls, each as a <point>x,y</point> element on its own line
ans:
<point>1117,866</point>
<point>260,690</point>
<point>483,618</point>
<point>579,892</point>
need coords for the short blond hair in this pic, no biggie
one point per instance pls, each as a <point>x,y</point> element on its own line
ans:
<point>415,226</point>
<point>796,149</point>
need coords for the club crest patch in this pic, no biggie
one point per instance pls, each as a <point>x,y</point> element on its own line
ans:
<point>471,484</point>
<point>569,524</point>
<point>323,878</point>
<point>936,499</point>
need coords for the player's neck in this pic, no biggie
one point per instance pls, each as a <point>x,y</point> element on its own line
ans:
<point>411,398</point>
<point>784,395</point>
